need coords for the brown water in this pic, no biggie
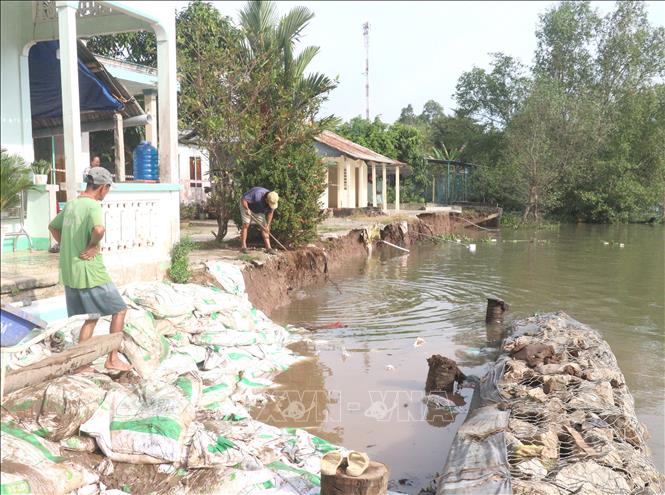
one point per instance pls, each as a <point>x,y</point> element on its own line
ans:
<point>438,293</point>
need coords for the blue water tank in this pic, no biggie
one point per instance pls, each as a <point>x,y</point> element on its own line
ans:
<point>146,162</point>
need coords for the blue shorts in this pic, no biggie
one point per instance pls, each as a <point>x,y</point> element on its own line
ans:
<point>102,300</point>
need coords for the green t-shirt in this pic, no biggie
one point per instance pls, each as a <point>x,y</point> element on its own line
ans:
<point>75,223</point>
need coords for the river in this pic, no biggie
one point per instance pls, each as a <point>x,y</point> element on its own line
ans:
<point>363,386</point>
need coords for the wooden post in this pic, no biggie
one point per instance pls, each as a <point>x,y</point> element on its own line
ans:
<point>434,189</point>
<point>62,363</point>
<point>374,481</point>
<point>119,144</point>
<point>495,310</point>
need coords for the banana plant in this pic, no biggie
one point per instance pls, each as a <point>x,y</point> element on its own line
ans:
<point>14,178</point>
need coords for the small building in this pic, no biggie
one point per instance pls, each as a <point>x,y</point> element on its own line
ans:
<point>451,180</point>
<point>351,176</point>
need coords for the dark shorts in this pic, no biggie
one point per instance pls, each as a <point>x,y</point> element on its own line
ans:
<point>102,300</point>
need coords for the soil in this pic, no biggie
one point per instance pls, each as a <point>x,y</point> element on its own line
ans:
<point>272,284</point>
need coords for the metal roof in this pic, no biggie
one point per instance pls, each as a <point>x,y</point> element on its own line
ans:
<point>354,150</point>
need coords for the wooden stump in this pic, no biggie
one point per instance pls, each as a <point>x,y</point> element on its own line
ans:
<point>374,481</point>
<point>495,310</point>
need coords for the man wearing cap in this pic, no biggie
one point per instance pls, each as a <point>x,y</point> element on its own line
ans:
<point>257,205</point>
<point>79,229</point>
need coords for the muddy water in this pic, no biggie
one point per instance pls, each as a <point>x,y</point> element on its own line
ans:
<point>363,386</point>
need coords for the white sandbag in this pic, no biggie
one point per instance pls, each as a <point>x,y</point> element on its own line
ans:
<point>142,344</point>
<point>56,409</point>
<point>159,298</point>
<point>207,300</point>
<point>146,425</point>
<point>228,275</point>
<point>197,353</point>
<point>31,464</point>
<point>210,446</point>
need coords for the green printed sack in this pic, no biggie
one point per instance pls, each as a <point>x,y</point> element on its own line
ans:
<point>142,344</point>
<point>31,464</point>
<point>159,298</point>
<point>55,409</point>
<point>147,425</point>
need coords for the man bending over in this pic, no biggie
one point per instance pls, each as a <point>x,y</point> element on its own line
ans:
<point>257,205</point>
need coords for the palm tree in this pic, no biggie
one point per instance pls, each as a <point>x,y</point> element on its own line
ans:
<point>265,33</point>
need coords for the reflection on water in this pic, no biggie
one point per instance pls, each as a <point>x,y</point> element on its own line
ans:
<point>366,382</point>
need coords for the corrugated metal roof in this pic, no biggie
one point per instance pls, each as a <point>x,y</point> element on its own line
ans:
<point>132,108</point>
<point>354,150</point>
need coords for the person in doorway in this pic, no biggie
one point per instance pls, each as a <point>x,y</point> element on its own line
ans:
<point>95,161</point>
<point>258,205</point>
<point>79,228</point>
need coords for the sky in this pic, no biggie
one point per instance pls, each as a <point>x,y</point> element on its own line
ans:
<point>417,50</point>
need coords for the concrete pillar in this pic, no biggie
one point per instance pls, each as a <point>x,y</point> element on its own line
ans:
<point>69,80</point>
<point>150,107</point>
<point>384,188</point>
<point>119,144</point>
<point>350,193</point>
<point>167,102</point>
<point>396,188</point>
<point>374,184</point>
<point>362,187</point>
<point>28,152</point>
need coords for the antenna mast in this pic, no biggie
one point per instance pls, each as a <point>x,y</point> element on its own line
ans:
<point>366,36</point>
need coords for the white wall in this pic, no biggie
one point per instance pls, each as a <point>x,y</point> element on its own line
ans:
<point>189,194</point>
<point>16,128</point>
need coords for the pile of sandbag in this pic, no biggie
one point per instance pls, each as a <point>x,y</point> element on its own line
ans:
<point>201,357</point>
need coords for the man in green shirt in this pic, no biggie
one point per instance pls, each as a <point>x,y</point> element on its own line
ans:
<point>79,229</point>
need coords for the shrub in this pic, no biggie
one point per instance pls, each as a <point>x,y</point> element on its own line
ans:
<point>179,270</point>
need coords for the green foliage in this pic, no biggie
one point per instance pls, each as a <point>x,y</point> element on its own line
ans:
<point>40,167</point>
<point>179,270</point>
<point>14,178</point>
<point>139,47</point>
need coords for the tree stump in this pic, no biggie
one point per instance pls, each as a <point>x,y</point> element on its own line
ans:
<point>495,310</point>
<point>374,481</point>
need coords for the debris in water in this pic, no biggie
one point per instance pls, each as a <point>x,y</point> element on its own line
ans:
<point>345,353</point>
<point>390,367</point>
<point>442,375</point>
<point>419,342</point>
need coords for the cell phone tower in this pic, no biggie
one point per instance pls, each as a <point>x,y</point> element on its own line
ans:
<point>366,36</point>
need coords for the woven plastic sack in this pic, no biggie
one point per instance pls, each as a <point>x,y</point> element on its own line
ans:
<point>143,345</point>
<point>56,409</point>
<point>147,425</point>
<point>159,298</point>
<point>207,300</point>
<point>229,276</point>
<point>31,464</point>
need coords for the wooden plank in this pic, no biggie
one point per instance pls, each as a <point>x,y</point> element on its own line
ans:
<point>374,481</point>
<point>63,362</point>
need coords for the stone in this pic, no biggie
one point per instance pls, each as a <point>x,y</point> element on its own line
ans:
<point>537,394</point>
<point>532,468</point>
<point>559,369</point>
<point>521,487</point>
<point>522,429</point>
<point>550,443</point>
<point>614,377</point>
<point>590,478</point>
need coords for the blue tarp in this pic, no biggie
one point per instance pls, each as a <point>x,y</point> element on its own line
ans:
<point>45,88</point>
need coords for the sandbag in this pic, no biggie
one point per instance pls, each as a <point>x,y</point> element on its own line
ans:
<point>229,276</point>
<point>56,409</point>
<point>159,298</point>
<point>146,425</point>
<point>142,344</point>
<point>31,464</point>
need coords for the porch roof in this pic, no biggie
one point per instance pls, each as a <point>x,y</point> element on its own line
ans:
<point>354,150</point>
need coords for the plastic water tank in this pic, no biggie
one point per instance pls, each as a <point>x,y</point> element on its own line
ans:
<point>146,162</point>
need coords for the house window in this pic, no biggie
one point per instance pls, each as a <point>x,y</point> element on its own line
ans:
<point>195,176</point>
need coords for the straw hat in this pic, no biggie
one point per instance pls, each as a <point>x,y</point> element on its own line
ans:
<point>272,199</point>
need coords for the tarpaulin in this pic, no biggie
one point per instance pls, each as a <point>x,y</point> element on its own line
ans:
<point>46,89</point>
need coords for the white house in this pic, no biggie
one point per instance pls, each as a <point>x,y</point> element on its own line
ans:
<point>142,219</point>
<point>352,180</point>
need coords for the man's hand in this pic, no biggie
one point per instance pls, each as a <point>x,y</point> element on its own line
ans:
<point>89,253</point>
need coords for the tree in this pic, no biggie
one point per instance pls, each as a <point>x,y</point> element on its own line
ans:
<point>492,98</point>
<point>277,149</point>
<point>407,115</point>
<point>432,110</point>
<point>139,47</point>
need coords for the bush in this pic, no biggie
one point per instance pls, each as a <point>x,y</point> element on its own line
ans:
<point>179,270</point>
<point>15,178</point>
